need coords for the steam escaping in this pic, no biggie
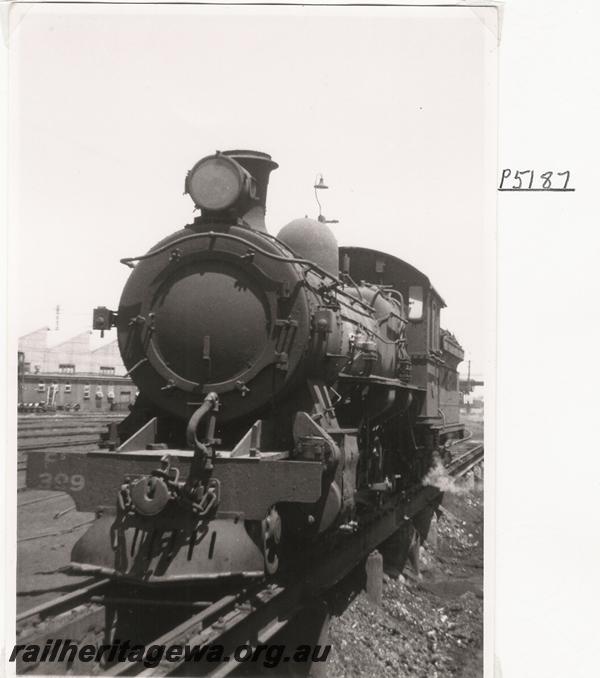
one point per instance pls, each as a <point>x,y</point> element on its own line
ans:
<point>438,476</point>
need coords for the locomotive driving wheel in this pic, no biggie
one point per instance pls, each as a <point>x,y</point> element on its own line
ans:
<point>271,533</point>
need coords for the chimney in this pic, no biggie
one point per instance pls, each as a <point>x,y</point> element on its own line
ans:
<point>259,165</point>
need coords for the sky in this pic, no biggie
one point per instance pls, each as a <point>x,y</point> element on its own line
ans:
<point>112,105</point>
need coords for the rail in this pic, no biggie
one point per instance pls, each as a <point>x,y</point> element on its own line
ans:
<point>56,606</point>
<point>467,460</point>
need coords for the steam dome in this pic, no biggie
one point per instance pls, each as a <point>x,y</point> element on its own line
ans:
<point>314,241</point>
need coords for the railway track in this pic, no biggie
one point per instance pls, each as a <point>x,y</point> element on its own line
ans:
<point>250,615</point>
<point>36,616</point>
<point>466,460</point>
<point>67,419</point>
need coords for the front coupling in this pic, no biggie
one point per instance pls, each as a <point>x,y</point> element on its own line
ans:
<point>149,495</point>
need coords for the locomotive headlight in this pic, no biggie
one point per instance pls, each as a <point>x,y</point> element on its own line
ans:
<point>217,183</point>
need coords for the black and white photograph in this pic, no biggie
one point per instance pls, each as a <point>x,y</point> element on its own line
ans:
<point>253,311</point>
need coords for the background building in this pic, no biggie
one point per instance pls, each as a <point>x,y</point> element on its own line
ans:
<point>64,372</point>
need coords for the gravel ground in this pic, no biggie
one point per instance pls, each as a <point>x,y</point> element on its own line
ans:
<point>432,627</point>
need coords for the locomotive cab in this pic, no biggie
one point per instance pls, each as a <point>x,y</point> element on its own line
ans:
<point>434,352</point>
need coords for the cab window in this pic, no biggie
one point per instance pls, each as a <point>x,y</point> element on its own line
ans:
<point>434,327</point>
<point>415,302</point>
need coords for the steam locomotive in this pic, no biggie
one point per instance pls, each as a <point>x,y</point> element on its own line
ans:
<point>291,391</point>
